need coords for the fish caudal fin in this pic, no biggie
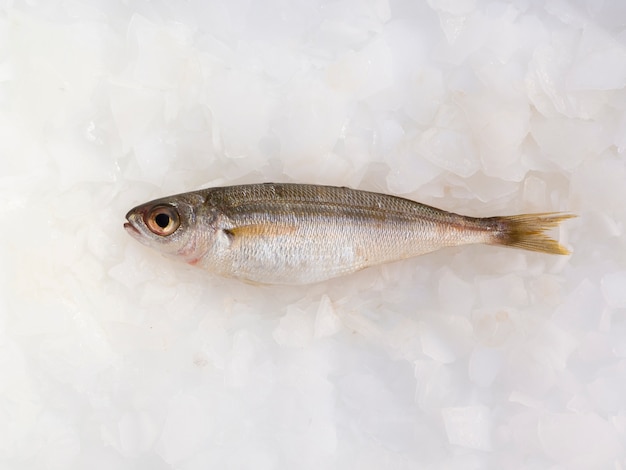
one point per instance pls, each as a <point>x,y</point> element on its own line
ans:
<point>526,231</point>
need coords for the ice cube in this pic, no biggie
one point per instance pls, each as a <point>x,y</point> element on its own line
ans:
<point>409,173</point>
<point>534,192</point>
<point>425,96</point>
<point>579,309</point>
<point>614,289</point>
<point>327,323</point>
<point>447,339</point>
<point>484,365</point>
<point>153,158</point>
<point>608,391</point>
<point>468,426</point>
<point>568,142</point>
<point>134,109</point>
<point>460,8</point>
<point>161,53</point>
<point>295,329</point>
<point>552,346</point>
<point>600,62</point>
<point>187,425</point>
<point>137,432</point>
<point>456,296</point>
<point>60,439</point>
<point>363,73</point>
<point>451,149</point>
<point>579,441</point>
<point>503,291</point>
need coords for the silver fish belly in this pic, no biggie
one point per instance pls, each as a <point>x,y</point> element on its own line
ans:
<point>299,233</point>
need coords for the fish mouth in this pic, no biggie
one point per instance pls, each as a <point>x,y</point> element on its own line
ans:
<point>129,226</point>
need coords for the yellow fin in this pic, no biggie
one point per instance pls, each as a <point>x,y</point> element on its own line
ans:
<point>260,230</point>
<point>527,231</point>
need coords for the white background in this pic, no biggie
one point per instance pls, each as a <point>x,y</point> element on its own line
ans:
<point>112,356</point>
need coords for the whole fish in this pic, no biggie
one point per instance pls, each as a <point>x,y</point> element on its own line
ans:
<point>301,233</point>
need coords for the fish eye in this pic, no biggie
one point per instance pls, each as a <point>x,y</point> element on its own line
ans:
<point>162,220</point>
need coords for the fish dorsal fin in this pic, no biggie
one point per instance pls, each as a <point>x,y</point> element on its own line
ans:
<point>260,230</point>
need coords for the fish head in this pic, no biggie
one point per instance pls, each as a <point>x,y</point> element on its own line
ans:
<point>175,226</point>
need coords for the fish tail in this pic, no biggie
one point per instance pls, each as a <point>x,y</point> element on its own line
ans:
<point>526,231</point>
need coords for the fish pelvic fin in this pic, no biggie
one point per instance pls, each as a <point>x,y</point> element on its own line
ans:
<point>527,231</point>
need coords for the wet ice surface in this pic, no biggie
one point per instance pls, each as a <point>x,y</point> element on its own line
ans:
<point>112,356</point>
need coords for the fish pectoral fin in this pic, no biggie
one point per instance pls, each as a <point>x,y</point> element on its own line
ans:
<point>260,230</point>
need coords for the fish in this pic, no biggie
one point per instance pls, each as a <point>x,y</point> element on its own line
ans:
<point>295,234</point>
